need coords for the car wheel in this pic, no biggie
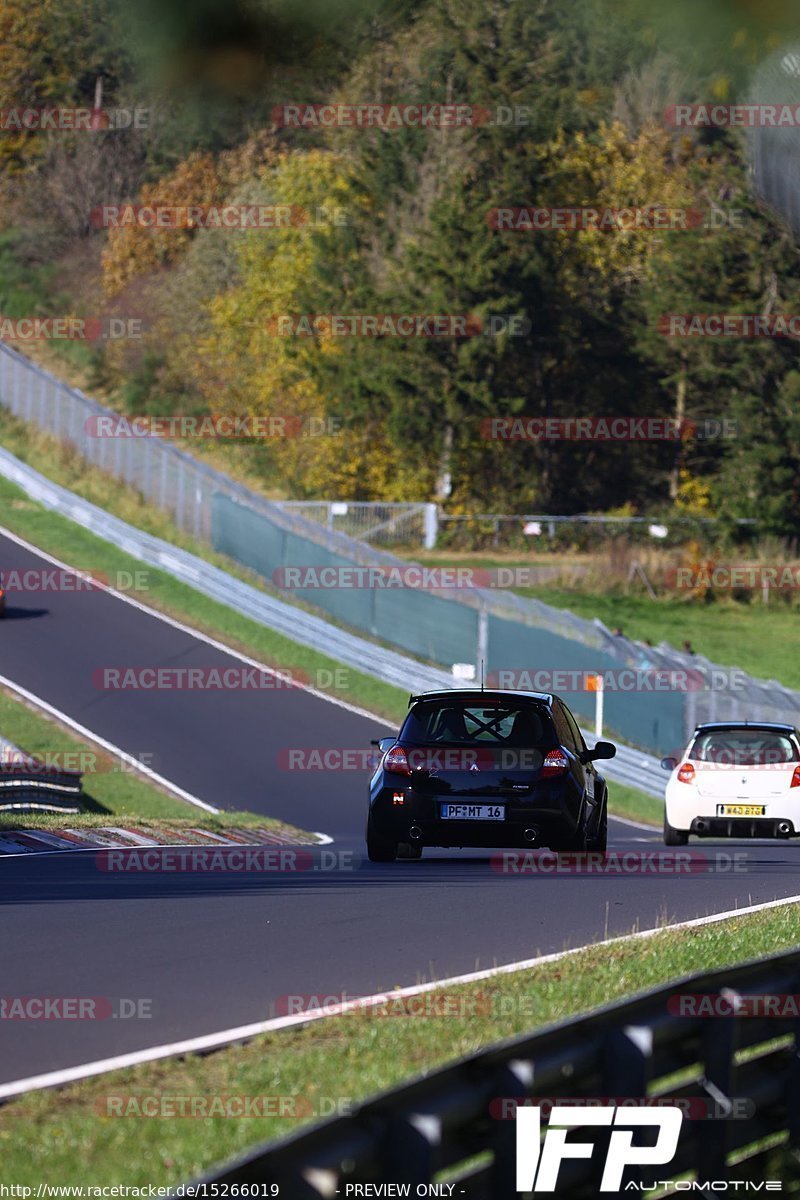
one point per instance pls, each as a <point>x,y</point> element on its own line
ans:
<point>599,843</point>
<point>409,850</point>
<point>379,848</point>
<point>672,836</point>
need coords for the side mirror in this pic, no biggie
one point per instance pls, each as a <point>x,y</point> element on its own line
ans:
<point>669,764</point>
<point>603,750</point>
<point>383,744</point>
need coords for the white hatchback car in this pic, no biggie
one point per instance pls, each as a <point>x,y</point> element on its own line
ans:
<point>735,779</point>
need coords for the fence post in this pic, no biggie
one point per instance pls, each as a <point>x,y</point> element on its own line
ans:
<point>179,497</point>
<point>431,526</point>
<point>483,640</point>
<point>163,478</point>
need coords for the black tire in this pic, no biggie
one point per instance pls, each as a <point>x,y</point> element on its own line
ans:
<point>409,851</point>
<point>599,843</point>
<point>673,836</point>
<point>379,848</point>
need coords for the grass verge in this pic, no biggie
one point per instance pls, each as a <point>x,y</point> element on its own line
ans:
<point>635,805</point>
<point>112,789</point>
<point>50,1136</point>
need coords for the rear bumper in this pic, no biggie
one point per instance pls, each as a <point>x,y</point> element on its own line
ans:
<point>744,827</point>
<point>527,825</point>
<point>700,815</point>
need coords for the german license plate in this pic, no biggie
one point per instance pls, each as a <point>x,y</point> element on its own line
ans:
<point>741,810</point>
<point>472,812</point>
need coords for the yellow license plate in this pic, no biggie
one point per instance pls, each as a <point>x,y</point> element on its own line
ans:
<point>742,810</point>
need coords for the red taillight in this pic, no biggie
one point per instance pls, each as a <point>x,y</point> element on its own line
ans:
<point>686,773</point>
<point>396,761</point>
<point>795,777</point>
<point>555,763</point>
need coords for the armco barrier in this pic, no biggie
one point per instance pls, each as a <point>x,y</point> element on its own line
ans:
<point>736,1076</point>
<point>631,767</point>
<point>26,783</point>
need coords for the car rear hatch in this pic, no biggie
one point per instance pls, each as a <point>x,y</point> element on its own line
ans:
<point>474,771</point>
<point>760,783</point>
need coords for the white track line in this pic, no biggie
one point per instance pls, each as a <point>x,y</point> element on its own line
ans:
<point>195,633</point>
<point>37,702</point>
<point>212,1041</point>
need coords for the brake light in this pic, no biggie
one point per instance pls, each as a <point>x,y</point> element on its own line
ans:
<point>796,777</point>
<point>686,773</point>
<point>555,763</point>
<point>396,761</point>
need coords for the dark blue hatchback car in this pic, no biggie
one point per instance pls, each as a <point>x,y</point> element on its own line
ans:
<point>486,769</point>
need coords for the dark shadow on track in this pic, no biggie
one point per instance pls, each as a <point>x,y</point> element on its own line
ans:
<point>86,875</point>
<point>22,614</point>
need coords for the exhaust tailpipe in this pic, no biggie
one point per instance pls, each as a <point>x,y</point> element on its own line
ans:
<point>700,826</point>
<point>784,829</point>
<point>415,833</point>
<point>531,835</point>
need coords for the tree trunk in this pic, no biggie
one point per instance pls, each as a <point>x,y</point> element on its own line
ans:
<point>680,417</point>
<point>444,478</point>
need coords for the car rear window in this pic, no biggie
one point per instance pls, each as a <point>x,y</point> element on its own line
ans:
<point>479,725</point>
<point>751,747</point>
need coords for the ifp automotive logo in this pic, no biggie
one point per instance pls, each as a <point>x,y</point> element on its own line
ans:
<point>539,1162</point>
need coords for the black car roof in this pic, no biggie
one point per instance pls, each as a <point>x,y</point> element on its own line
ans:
<point>468,695</point>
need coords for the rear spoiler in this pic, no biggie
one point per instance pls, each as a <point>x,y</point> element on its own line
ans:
<point>494,693</point>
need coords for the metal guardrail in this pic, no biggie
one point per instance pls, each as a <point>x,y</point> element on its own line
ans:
<point>27,783</point>
<point>631,767</point>
<point>736,1078</point>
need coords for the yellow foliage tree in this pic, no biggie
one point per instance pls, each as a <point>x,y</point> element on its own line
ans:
<point>267,373</point>
<point>609,171</point>
<point>200,180</point>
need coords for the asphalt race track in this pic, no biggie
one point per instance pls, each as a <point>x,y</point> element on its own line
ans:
<point>221,746</point>
<point>198,952</point>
